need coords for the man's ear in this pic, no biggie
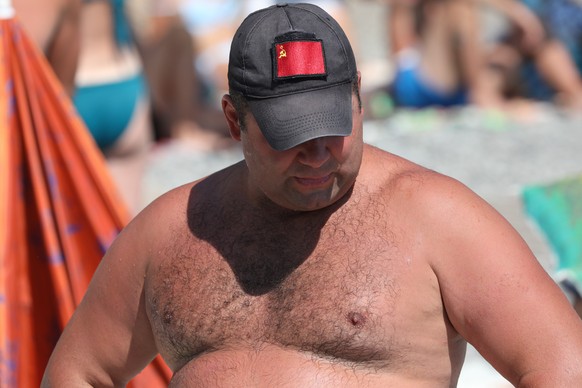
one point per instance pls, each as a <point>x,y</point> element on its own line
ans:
<point>360,92</point>
<point>231,117</point>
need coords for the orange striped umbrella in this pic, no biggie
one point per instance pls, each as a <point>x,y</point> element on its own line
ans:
<point>59,211</point>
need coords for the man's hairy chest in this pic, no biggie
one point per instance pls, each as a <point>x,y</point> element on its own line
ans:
<point>327,287</point>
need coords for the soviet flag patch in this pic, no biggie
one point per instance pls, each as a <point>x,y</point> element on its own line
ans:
<point>299,58</point>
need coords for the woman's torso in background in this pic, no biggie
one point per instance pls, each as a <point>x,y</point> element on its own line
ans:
<point>103,57</point>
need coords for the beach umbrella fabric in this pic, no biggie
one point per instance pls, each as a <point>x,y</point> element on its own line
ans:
<point>59,211</point>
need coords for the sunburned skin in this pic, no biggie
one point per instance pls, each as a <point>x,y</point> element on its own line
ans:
<point>338,306</point>
<point>365,292</point>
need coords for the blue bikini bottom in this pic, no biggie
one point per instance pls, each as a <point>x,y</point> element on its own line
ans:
<point>108,108</point>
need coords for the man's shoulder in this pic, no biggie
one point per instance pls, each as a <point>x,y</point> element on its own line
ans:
<point>202,191</point>
<point>397,176</point>
<point>390,168</point>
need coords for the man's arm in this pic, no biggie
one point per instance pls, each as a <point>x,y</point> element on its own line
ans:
<point>109,339</point>
<point>497,295</point>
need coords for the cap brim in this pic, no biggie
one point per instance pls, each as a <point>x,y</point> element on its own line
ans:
<point>290,120</point>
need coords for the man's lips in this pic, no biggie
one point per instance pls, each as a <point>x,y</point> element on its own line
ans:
<point>313,181</point>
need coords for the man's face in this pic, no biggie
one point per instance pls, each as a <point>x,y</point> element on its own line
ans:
<point>309,176</point>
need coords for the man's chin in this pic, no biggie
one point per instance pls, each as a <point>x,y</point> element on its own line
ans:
<point>320,200</point>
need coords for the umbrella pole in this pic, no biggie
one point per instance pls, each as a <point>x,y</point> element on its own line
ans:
<point>6,10</point>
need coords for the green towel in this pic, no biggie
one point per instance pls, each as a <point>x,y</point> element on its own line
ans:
<point>557,209</point>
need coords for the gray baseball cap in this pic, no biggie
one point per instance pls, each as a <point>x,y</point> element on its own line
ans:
<point>295,66</point>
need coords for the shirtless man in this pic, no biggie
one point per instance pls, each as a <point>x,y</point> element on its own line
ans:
<point>317,260</point>
<point>54,26</point>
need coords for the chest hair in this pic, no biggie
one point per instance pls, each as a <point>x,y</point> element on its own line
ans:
<point>324,284</point>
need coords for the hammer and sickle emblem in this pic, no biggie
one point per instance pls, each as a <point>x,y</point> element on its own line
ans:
<point>282,53</point>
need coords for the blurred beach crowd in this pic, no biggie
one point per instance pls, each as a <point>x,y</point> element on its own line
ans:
<point>158,68</point>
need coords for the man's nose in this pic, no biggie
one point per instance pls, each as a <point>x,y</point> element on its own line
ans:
<point>315,152</point>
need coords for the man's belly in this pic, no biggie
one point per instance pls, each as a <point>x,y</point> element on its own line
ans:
<point>274,366</point>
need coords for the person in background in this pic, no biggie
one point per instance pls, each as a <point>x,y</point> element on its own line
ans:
<point>438,56</point>
<point>112,94</point>
<point>54,26</point>
<point>548,67</point>
<point>318,260</point>
<point>181,108</point>
<point>442,59</point>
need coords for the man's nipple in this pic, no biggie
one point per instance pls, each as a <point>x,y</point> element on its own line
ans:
<point>356,319</point>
